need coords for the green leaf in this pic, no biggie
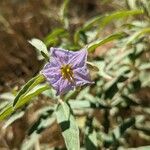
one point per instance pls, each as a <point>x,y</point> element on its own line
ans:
<point>144,128</point>
<point>79,104</point>
<point>77,36</point>
<point>104,20</point>
<point>41,47</point>
<point>68,126</point>
<point>131,4</point>
<point>80,35</point>
<point>137,35</point>
<point>7,96</point>
<point>91,141</point>
<point>83,104</point>
<point>90,23</point>
<point>51,38</point>
<point>8,110</point>
<point>29,143</point>
<point>144,66</point>
<point>118,59</point>
<point>13,118</point>
<point>26,99</point>
<point>28,86</point>
<point>129,100</point>
<point>112,89</point>
<point>117,15</point>
<point>94,45</point>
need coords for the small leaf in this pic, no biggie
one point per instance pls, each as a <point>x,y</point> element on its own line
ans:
<point>144,66</point>
<point>90,23</point>
<point>111,90</point>
<point>68,125</point>
<point>119,131</point>
<point>13,118</point>
<point>94,45</point>
<point>8,110</point>
<point>91,141</point>
<point>51,38</point>
<point>7,96</point>
<point>41,47</point>
<point>137,35</point>
<point>144,128</point>
<point>129,100</point>
<point>79,104</point>
<point>80,35</point>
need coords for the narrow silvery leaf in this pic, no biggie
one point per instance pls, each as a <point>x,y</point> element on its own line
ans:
<point>68,126</point>
<point>28,86</point>
<point>91,141</point>
<point>8,110</point>
<point>92,46</point>
<point>12,119</point>
<point>137,35</point>
<point>40,46</point>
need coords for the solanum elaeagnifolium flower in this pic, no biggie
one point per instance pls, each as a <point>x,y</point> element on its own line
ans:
<point>66,70</point>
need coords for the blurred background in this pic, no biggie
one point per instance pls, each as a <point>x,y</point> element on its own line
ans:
<point>22,20</point>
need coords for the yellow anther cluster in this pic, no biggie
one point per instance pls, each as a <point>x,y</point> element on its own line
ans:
<point>67,73</point>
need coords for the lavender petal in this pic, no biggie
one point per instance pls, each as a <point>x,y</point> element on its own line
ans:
<point>81,76</point>
<point>78,59</point>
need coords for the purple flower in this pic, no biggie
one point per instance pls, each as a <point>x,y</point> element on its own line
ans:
<point>66,70</point>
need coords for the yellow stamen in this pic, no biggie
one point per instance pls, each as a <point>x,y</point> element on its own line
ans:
<point>67,73</point>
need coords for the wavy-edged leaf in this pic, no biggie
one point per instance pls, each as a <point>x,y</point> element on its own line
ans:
<point>68,126</point>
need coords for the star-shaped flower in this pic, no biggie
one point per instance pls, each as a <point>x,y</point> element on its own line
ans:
<point>67,70</point>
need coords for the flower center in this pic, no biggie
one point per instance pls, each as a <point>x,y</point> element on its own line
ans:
<point>67,73</point>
